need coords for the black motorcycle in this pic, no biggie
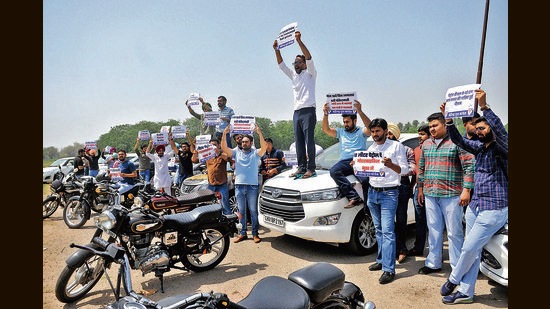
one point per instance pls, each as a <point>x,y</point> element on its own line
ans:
<point>96,193</point>
<point>62,189</point>
<point>198,239</point>
<point>320,285</point>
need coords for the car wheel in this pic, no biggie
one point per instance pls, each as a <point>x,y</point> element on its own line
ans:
<point>363,235</point>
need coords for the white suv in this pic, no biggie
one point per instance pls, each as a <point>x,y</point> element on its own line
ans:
<point>313,208</point>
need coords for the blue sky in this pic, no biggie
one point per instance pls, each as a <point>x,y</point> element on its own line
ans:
<point>107,63</point>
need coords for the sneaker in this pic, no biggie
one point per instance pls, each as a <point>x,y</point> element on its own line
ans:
<point>375,266</point>
<point>257,239</point>
<point>240,238</point>
<point>447,288</point>
<point>426,270</point>
<point>458,298</point>
<point>386,277</point>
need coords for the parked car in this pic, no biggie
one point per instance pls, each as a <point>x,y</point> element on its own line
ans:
<point>313,208</point>
<point>494,257</point>
<point>66,164</point>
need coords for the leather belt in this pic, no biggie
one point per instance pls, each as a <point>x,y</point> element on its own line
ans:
<point>384,188</point>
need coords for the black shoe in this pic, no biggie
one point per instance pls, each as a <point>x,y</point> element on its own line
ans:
<point>375,266</point>
<point>426,270</point>
<point>414,252</point>
<point>386,277</point>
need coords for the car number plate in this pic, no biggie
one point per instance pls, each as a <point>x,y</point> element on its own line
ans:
<point>274,220</point>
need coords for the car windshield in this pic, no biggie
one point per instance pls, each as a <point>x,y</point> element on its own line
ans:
<point>58,162</point>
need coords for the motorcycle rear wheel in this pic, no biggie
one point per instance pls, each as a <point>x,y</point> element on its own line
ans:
<point>75,282</point>
<point>198,262</point>
<point>74,214</point>
<point>49,206</point>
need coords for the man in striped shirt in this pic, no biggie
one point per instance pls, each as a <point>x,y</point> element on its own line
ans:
<point>488,209</point>
<point>445,177</point>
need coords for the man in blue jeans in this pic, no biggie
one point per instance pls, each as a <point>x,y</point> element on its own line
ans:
<point>383,195</point>
<point>352,138</point>
<point>247,161</point>
<point>488,209</point>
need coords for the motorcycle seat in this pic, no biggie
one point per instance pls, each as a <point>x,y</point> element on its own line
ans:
<point>319,280</point>
<point>273,292</point>
<point>194,218</point>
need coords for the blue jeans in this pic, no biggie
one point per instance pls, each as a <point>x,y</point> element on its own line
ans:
<point>421,226</point>
<point>94,173</point>
<point>304,121</point>
<point>224,191</point>
<point>338,172</point>
<point>401,219</point>
<point>247,195</point>
<point>382,206</point>
<point>480,227</point>
<point>146,175</point>
<point>441,213</point>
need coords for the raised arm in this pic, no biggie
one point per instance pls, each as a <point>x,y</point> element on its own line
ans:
<point>364,117</point>
<point>277,52</point>
<point>226,149</point>
<point>263,143</point>
<point>328,130</point>
<point>305,51</point>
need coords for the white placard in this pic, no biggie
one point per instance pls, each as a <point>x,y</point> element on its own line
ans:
<point>290,158</point>
<point>460,101</point>
<point>286,36</point>
<point>212,118</point>
<point>342,103</point>
<point>206,152</point>
<point>203,139</point>
<point>91,145</point>
<point>368,164</point>
<point>160,138</point>
<point>165,129</point>
<point>179,131</point>
<point>114,173</point>
<point>193,99</point>
<point>144,135</point>
<point>242,124</point>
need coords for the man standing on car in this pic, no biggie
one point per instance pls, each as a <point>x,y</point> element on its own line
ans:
<point>488,208</point>
<point>352,138</point>
<point>217,173</point>
<point>247,161</point>
<point>383,195</point>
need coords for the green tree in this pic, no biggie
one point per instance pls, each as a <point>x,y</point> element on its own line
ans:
<point>49,153</point>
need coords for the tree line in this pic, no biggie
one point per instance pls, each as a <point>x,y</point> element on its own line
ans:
<point>124,136</point>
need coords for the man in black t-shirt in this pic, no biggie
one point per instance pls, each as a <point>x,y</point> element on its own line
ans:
<point>79,163</point>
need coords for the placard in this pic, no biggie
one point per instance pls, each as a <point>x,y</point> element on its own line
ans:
<point>144,135</point>
<point>212,118</point>
<point>165,129</point>
<point>290,158</point>
<point>206,152</point>
<point>243,124</point>
<point>179,131</point>
<point>368,164</point>
<point>287,35</point>
<point>460,101</point>
<point>91,145</point>
<point>160,138</point>
<point>114,173</point>
<point>193,99</point>
<point>342,103</point>
<point>203,139</point>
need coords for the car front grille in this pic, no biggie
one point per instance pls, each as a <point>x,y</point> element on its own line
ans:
<point>282,203</point>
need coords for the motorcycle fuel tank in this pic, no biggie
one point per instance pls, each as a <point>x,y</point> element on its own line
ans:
<point>144,225</point>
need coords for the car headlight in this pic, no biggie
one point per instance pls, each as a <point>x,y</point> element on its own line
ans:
<point>321,195</point>
<point>105,221</point>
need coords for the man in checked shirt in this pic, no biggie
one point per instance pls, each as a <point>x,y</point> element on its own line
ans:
<point>488,209</point>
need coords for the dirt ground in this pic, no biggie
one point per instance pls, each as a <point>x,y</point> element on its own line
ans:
<point>247,262</point>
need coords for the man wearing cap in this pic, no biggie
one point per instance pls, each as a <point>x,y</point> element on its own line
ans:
<point>405,193</point>
<point>162,179</point>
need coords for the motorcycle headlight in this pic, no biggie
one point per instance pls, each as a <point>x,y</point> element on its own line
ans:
<point>321,195</point>
<point>106,220</point>
<point>138,202</point>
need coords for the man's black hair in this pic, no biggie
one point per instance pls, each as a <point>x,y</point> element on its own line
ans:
<point>223,98</point>
<point>468,119</point>
<point>437,116</point>
<point>378,122</point>
<point>351,116</point>
<point>215,140</point>
<point>268,140</point>
<point>425,128</point>
<point>302,57</point>
<point>185,143</point>
<point>250,137</point>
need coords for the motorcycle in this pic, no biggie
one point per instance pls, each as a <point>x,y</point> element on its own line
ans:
<point>198,239</point>
<point>95,194</point>
<point>320,285</point>
<point>62,189</point>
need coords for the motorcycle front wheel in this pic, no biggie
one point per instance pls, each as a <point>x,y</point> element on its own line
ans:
<point>49,206</point>
<point>75,282</point>
<point>211,256</point>
<point>74,214</point>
